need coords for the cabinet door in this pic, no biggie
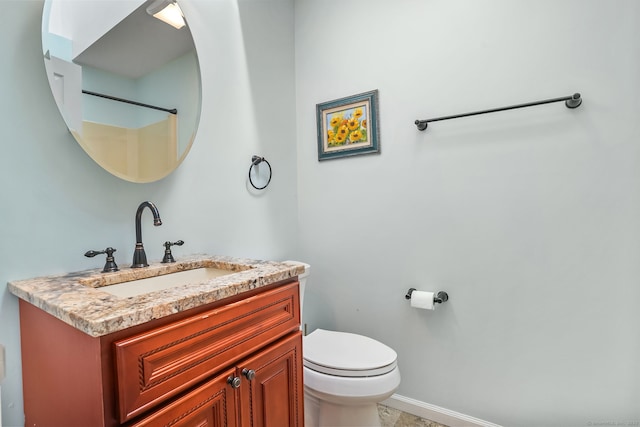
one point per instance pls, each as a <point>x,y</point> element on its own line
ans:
<point>212,404</point>
<point>273,397</point>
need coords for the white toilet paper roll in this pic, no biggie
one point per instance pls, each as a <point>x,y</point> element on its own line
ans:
<point>423,300</point>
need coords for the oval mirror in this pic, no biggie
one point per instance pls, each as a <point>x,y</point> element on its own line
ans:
<point>126,81</point>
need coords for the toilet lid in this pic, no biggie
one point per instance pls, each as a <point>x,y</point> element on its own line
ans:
<point>347,355</point>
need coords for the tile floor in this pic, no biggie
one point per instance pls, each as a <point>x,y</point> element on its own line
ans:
<point>390,417</point>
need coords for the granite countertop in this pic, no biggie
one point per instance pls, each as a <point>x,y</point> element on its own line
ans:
<point>77,298</point>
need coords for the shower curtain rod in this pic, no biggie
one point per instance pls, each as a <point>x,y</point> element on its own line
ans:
<point>571,101</point>
<point>140,104</point>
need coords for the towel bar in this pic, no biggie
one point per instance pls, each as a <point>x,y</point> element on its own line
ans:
<point>571,101</point>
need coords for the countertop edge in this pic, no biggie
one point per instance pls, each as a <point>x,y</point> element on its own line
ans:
<point>97,313</point>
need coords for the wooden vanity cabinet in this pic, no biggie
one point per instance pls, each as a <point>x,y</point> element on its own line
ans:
<point>237,363</point>
<point>270,398</point>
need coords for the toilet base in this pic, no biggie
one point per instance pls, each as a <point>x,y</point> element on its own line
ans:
<point>346,401</point>
<point>323,414</point>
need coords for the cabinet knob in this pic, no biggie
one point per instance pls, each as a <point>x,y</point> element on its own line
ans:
<point>234,382</point>
<point>249,373</point>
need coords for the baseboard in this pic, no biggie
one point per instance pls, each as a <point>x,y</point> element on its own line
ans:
<point>435,413</point>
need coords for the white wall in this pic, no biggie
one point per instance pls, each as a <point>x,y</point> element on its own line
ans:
<point>56,203</point>
<point>530,219</point>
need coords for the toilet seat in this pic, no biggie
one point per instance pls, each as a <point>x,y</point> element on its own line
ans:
<point>345,354</point>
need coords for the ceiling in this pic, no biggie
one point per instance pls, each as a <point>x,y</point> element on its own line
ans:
<point>137,45</point>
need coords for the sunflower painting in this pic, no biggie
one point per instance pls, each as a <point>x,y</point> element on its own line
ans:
<point>348,126</point>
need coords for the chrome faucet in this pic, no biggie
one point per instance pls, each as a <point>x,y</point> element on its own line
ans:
<point>139,256</point>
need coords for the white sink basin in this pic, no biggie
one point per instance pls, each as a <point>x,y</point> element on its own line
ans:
<point>166,281</point>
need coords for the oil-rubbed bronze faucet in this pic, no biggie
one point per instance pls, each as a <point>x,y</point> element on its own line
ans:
<point>139,256</point>
<point>168,256</point>
<point>110,265</point>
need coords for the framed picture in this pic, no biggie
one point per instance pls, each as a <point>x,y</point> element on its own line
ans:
<point>348,126</point>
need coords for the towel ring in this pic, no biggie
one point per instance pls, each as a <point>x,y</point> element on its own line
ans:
<point>256,160</point>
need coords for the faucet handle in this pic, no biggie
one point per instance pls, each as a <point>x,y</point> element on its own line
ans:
<point>110,265</point>
<point>168,257</point>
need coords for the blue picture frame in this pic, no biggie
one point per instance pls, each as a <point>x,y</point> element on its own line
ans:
<point>348,126</point>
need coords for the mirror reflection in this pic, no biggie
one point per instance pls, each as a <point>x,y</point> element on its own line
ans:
<point>126,80</point>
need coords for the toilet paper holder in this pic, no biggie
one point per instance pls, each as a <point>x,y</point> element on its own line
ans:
<point>439,298</point>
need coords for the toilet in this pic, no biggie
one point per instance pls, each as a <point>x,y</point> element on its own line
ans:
<point>345,375</point>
